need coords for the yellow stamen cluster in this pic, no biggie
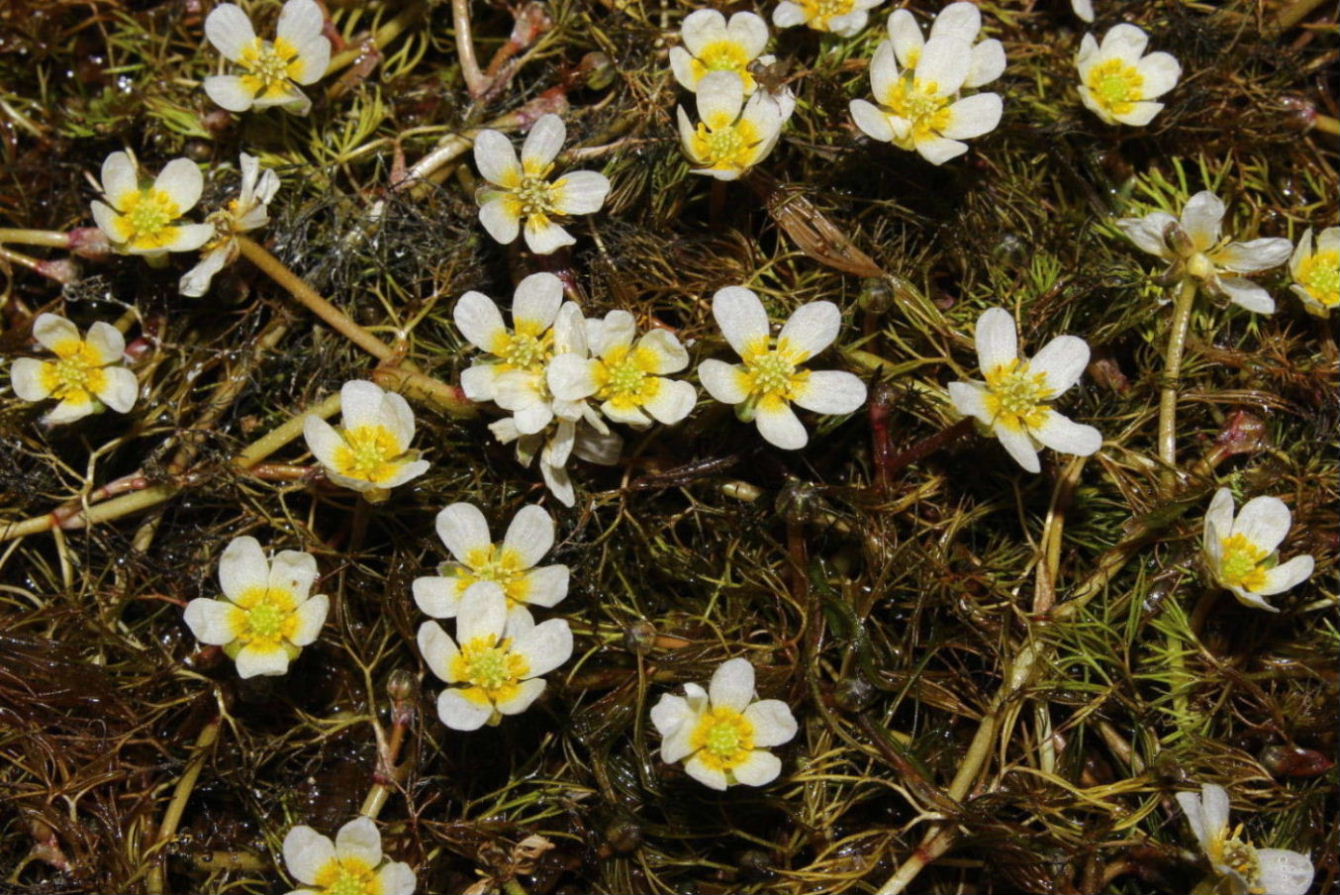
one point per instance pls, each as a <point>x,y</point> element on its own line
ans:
<point>818,12</point>
<point>492,671</point>
<point>348,876</point>
<point>1239,856</point>
<point>1116,85</point>
<point>526,349</point>
<point>625,378</point>
<point>368,453</point>
<point>723,738</point>
<point>1240,563</point>
<point>146,218</point>
<point>772,373</point>
<point>498,564</point>
<point>726,145</point>
<point>1016,397</point>
<point>77,373</point>
<point>270,67</point>
<point>268,618</point>
<point>724,55</point>
<point>918,102</point>
<point>1320,276</point>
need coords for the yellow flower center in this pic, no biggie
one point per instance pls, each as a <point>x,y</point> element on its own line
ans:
<point>270,67</point>
<point>534,197</point>
<point>723,738</point>
<point>1240,563</point>
<point>724,55</point>
<point>919,102</point>
<point>77,373</point>
<point>772,373</point>
<point>146,219</point>
<point>500,565</point>
<point>526,349</point>
<point>268,617</point>
<point>1116,85</point>
<point>370,453</point>
<point>818,12</point>
<point>490,669</point>
<point>625,377</point>
<point>348,876</point>
<point>1229,852</point>
<point>726,145</point>
<point>1320,276</point>
<point>1016,397</point>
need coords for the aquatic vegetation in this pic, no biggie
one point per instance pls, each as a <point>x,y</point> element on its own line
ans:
<point>1241,552</point>
<point>352,863</point>
<point>86,375</point>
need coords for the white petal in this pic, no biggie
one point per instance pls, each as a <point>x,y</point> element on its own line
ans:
<point>570,329</point>
<point>749,31</point>
<point>306,852</point>
<point>243,567</point>
<point>526,694</point>
<point>311,616</point>
<point>1288,575</point>
<point>974,116</point>
<point>695,766</point>
<point>558,482</point>
<point>1202,216</point>
<point>872,122</point>
<point>479,320</point>
<point>229,92</point>
<point>988,63</point>
<point>322,440</point>
<point>580,192</point>
<point>758,769</point>
<point>997,340</point>
<point>212,621</point>
<point>720,97</point>
<point>1019,446</point>
<point>850,24</point>
<point>1061,361</point>
<point>361,403</point>
<point>1160,71</point>
<point>1083,9</point>
<point>252,662</point>
<point>732,685</point>
<point>544,237</point>
<point>938,150</point>
<point>742,319</point>
<point>669,714</point>
<point>672,403</point>
<point>120,177</point>
<point>437,596</point>
<point>533,418</point>
<point>546,646</point>
<point>1147,232</point>
<point>107,220</point>
<point>498,219</point>
<point>778,424</point>
<point>969,399</point>
<point>572,378</point>
<point>26,378</point>
<point>1254,255</point>
<point>543,143</point>
<point>313,62</point>
<point>1214,807</point>
<point>1141,113</point>
<point>810,330</point>
<point>946,62</point>
<point>669,352</point>
<point>293,571</point>
<point>1264,521</point>
<point>1284,872</point>
<point>831,391</point>
<point>788,14</point>
<point>482,613</point>
<point>530,535</point>
<point>196,281</point>
<point>459,713</point>
<point>189,238</point>
<point>702,28</point>
<point>547,585</point>
<point>884,73</point>
<point>299,21</point>
<point>230,31</point>
<point>1087,56</point>
<point>773,722</point>
<point>905,40</point>
<point>438,650</point>
<point>1062,434</point>
<point>120,390</point>
<point>962,20</point>
<point>396,878</point>
<point>496,159</point>
<point>181,179</point>
<point>1246,294</point>
<point>68,411</point>
<point>51,330</point>
<point>537,300</point>
<point>602,448</point>
<point>1190,803</point>
<point>464,530</point>
<point>1251,600</point>
<point>681,64</point>
<point>1125,42</point>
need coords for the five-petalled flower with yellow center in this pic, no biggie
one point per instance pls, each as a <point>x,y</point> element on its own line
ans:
<point>1316,271</point>
<point>1014,401</point>
<point>496,661</point>
<point>722,734</point>
<point>247,212</point>
<point>1118,81</point>
<point>145,220</point>
<point>713,44</point>
<point>511,564</point>
<point>370,452</point>
<point>85,376</point>
<point>1237,864</point>
<point>266,615</point>
<point>1241,552</point>
<point>351,865</point>
<point>272,73</point>
<point>770,379</point>
<point>522,191</point>
<point>731,135</point>
<point>844,18</point>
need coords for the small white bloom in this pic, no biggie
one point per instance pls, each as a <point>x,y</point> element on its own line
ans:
<point>247,212</point>
<point>732,136</point>
<point>712,44</point>
<point>143,220</point>
<point>497,659</point>
<point>1013,400</point>
<point>1083,9</point>
<point>962,20</point>
<point>769,381</point>
<point>1241,553</point>
<point>352,863</point>
<point>85,375</point>
<point>1194,245</point>
<point>1118,81</point>
<point>521,190</point>
<point>511,564</point>
<point>628,379</point>
<point>1246,869</point>
<point>722,734</point>
<point>370,452</point>
<point>273,72</point>
<point>844,18</point>
<point>266,615</point>
<point>1316,273</point>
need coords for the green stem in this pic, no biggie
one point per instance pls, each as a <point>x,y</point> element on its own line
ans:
<point>157,880</point>
<point>1295,12</point>
<point>1172,372</point>
<point>56,239</point>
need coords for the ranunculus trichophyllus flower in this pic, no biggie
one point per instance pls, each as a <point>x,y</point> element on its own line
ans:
<point>845,18</point>
<point>85,376</point>
<point>710,43</point>
<point>1316,272</point>
<point>353,863</point>
<point>1118,81</point>
<point>1014,401</point>
<point>1195,247</point>
<point>144,220</point>
<point>1242,868</point>
<point>1241,553</point>
<point>770,379</point>
<point>732,135</point>
<point>273,73</point>
<point>522,192</point>
<point>723,734</point>
<point>266,615</point>
<point>962,20</point>
<point>495,664</point>
<point>247,212</point>
<point>370,451</point>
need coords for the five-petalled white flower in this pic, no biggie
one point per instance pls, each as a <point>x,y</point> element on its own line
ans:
<point>722,734</point>
<point>1246,869</point>
<point>713,44</point>
<point>247,212</point>
<point>770,380</point>
<point>496,661</point>
<point>845,18</point>
<point>1013,402</point>
<point>1195,247</point>
<point>1241,552</point>
<point>370,452</point>
<point>266,615</point>
<point>521,191</point>
<point>511,564</point>
<point>1118,81</point>
<point>1316,272</point>
<point>85,376</point>
<point>351,865</point>
<point>962,20</point>
<point>273,73</point>
<point>732,135</point>
<point>143,220</point>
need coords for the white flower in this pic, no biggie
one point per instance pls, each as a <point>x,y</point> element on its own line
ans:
<point>527,348</point>
<point>732,136</point>
<point>917,107</point>
<point>1241,552</point>
<point>85,374</point>
<point>274,72</point>
<point>844,18</point>
<point>1117,81</point>
<point>1316,274</point>
<point>497,658</point>
<point>962,20</point>
<point>725,731</point>
<point>143,220</point>
<point>352,863</point>
<point>1013,400</point>
<point>627,378</point>
<point>370,452</point>
<point>266,616</point>
<point>1083,9</point>
<point>1247,869</point>
<point>247,212</point>
<point>511,564</point>
<point>710,44</point>
<point>769,381</point>
<point>1195,246</point>
<point>522,191</point>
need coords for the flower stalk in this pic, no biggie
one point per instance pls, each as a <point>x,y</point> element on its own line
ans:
<point>1186,297</point>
